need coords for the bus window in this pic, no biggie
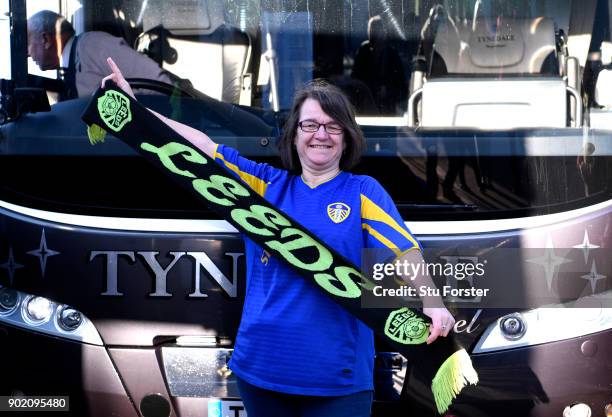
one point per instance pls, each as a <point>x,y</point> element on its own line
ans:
<point>487,121</point>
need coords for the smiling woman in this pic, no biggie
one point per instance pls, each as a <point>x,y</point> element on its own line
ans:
<point>283,313</point>
<point>321,152</point>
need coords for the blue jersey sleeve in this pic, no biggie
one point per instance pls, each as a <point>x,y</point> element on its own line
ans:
<point>255,175</point>
<point>382,224</point>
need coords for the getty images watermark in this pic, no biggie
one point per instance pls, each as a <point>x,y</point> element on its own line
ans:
<point>408,272</point>
<point>486,277</point>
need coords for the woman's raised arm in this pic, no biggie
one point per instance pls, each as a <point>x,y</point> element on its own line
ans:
<point>197,138</point>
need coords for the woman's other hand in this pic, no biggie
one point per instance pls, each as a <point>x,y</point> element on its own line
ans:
<point>117,78</point>
<point>442,322</point>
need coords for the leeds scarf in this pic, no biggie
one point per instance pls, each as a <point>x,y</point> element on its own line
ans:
<point>444,361</point>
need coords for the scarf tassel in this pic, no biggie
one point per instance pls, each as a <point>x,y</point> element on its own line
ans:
<point>455,373</point>
<point>95,134</point>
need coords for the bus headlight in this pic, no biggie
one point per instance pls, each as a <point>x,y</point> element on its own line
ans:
<point>41,315</point>
<point>69,319</point>
<point>8,300</point>
<point>547,324</point>
<point>38,310</point>
<point>513,326</point>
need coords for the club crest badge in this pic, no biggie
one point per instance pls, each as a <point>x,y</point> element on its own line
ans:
<point>114,109</point>
<point>338,212</point>
<point>405,327</point>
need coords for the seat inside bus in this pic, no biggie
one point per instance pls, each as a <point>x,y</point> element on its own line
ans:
<point>178,37</point>
<point>494,73</point>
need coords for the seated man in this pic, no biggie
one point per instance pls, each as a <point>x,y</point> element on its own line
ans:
<point>52,44</point>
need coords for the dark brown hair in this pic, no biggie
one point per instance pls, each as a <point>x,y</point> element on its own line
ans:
<point>337,106</point>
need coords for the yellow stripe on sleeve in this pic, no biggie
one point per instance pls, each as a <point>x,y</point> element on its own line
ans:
<point>258,185</point>
<point>370,211</point>
<point>381,238</point>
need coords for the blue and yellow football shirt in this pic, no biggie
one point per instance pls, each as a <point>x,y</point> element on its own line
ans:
<point>292,337</point>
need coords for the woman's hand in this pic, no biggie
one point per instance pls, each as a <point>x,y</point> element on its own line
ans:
<point>117,78</point>
<point>442,322</point>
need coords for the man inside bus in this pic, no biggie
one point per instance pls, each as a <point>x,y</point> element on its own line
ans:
<point>378,65</point>
<point>53,44</point>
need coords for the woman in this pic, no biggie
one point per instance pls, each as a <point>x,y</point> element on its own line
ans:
<point>297,352</point>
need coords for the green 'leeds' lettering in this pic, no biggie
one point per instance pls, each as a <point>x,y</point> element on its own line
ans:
<point>343,277</point>
<point>167,151</point>
<point>228,187</point>
<point>270,218</point>
<point>323,260</point>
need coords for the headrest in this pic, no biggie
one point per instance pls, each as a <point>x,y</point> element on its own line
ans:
<point>492,46</point>
<point>194,17</point>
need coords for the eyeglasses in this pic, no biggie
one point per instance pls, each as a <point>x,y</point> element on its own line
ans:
<point>310,127</point>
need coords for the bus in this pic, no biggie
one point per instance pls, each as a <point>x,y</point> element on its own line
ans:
<point>489,123</point>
